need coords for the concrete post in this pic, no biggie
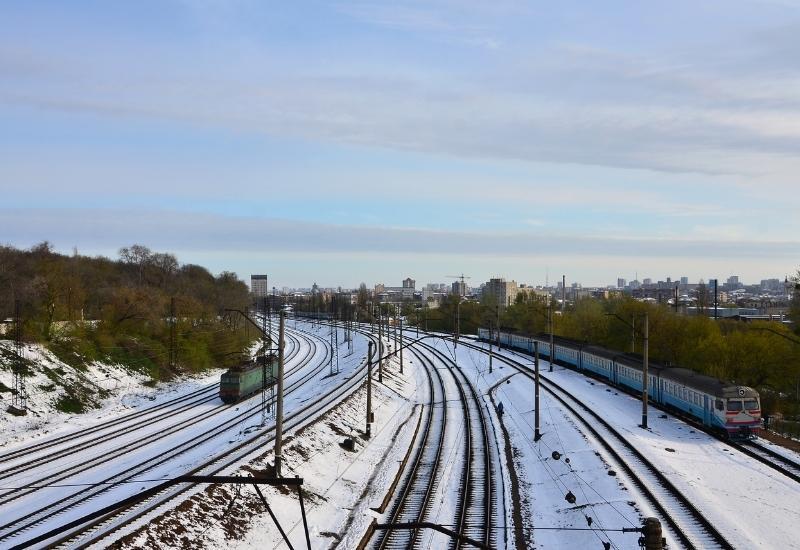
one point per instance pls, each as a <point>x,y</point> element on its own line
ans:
<point>279,407</point>
<point>644,370</point>
<point>401,345</point>
<point>537,435</point>
<point>370,351</point>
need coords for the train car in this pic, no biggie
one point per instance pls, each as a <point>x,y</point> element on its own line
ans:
<point>599,361</point>
<point>246,379</point>
<point>721,406</point>
<point>729,409</point>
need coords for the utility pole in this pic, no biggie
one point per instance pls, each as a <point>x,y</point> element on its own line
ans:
<point>676,299</point>
<point>458,323</point>
<point>716,301</point>
<point>490,348</point>
<point>497,313</point>
<point>369,389</point>
<point>550,322</point>
<point>401,345</point>
<point>563,293</point>
<point>537,435</point>
<point>279,407</point>
<point>173,352</point>
<point>380,344</point>
<point>633,333</point>
<point>644,370</point>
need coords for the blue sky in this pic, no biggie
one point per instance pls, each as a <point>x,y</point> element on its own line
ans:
<point>365,141</point>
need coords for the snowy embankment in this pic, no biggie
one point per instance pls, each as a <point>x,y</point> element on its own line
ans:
<point>339,485</point>
<point>111,389</point>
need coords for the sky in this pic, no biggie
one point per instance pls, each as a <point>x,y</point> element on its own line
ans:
<point>342,142</point>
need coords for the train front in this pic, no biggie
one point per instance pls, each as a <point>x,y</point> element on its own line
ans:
<point>741,407</point>
<point>229,386</point>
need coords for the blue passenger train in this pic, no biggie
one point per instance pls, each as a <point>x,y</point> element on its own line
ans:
<point>724,407</point>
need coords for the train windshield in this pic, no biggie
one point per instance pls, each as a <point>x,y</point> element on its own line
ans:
<point>751,404</point>
<point>734,405</point>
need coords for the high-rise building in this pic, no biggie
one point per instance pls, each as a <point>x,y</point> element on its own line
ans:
<point>621,283</point>
<point>684,280</point>
<point>459,287</point>
<point>409,283</point>
<point>259,286</point>
<point>504,291</point>
<point>647,281</point>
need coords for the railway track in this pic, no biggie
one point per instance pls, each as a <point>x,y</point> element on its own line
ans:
<point>424,470</point>
<point>98,433</point>
<point>12,531</point>
<point>473,512</point>
<point>684,520</point>
<point>777,461</point>
<point>476,511</point>
<point>142,423</point>
<point>752,448</point>
<point>95,530</point>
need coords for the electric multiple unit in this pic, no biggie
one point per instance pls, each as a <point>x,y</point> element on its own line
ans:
<point>722,406</point>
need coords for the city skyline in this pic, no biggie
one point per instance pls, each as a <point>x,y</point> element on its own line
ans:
<point>435,138</point>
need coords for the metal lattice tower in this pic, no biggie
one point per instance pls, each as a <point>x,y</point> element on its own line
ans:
<point>19,400</point>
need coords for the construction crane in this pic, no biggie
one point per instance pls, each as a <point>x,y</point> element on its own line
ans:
<point>462,289</point>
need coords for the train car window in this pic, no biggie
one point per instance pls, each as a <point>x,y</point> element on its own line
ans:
<point>719,405</point>
<point>751,404</point>
<point>734,405</point>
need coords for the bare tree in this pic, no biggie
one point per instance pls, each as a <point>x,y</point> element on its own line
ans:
<point>138,255</point>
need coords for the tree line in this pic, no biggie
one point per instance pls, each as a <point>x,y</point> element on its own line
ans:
<point>764,355</point>
<point>120,310</point>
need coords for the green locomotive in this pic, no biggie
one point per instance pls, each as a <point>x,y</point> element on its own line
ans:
<point>246,379</point>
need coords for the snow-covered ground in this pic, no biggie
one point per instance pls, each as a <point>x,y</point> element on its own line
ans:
<point>752,505</point>
<point>169,444</point>
<point>340,486</point>
<point>122,391</point>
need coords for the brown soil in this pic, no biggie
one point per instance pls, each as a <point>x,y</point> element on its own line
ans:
<point>780,440</point>
<point>521,539</point>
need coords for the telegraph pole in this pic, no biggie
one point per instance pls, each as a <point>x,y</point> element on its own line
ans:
<point>369,389</point>
<point>644,370</point>
<point>279,407</point>
<point>173,352</point>
<point>716,301</point>
<point>401,345</point>
<point>380,344</point>
<point>458,323</point>
<point>537,435</point>
<point>552,347</point>
<point>490,348</point>
<point>497,313</point>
